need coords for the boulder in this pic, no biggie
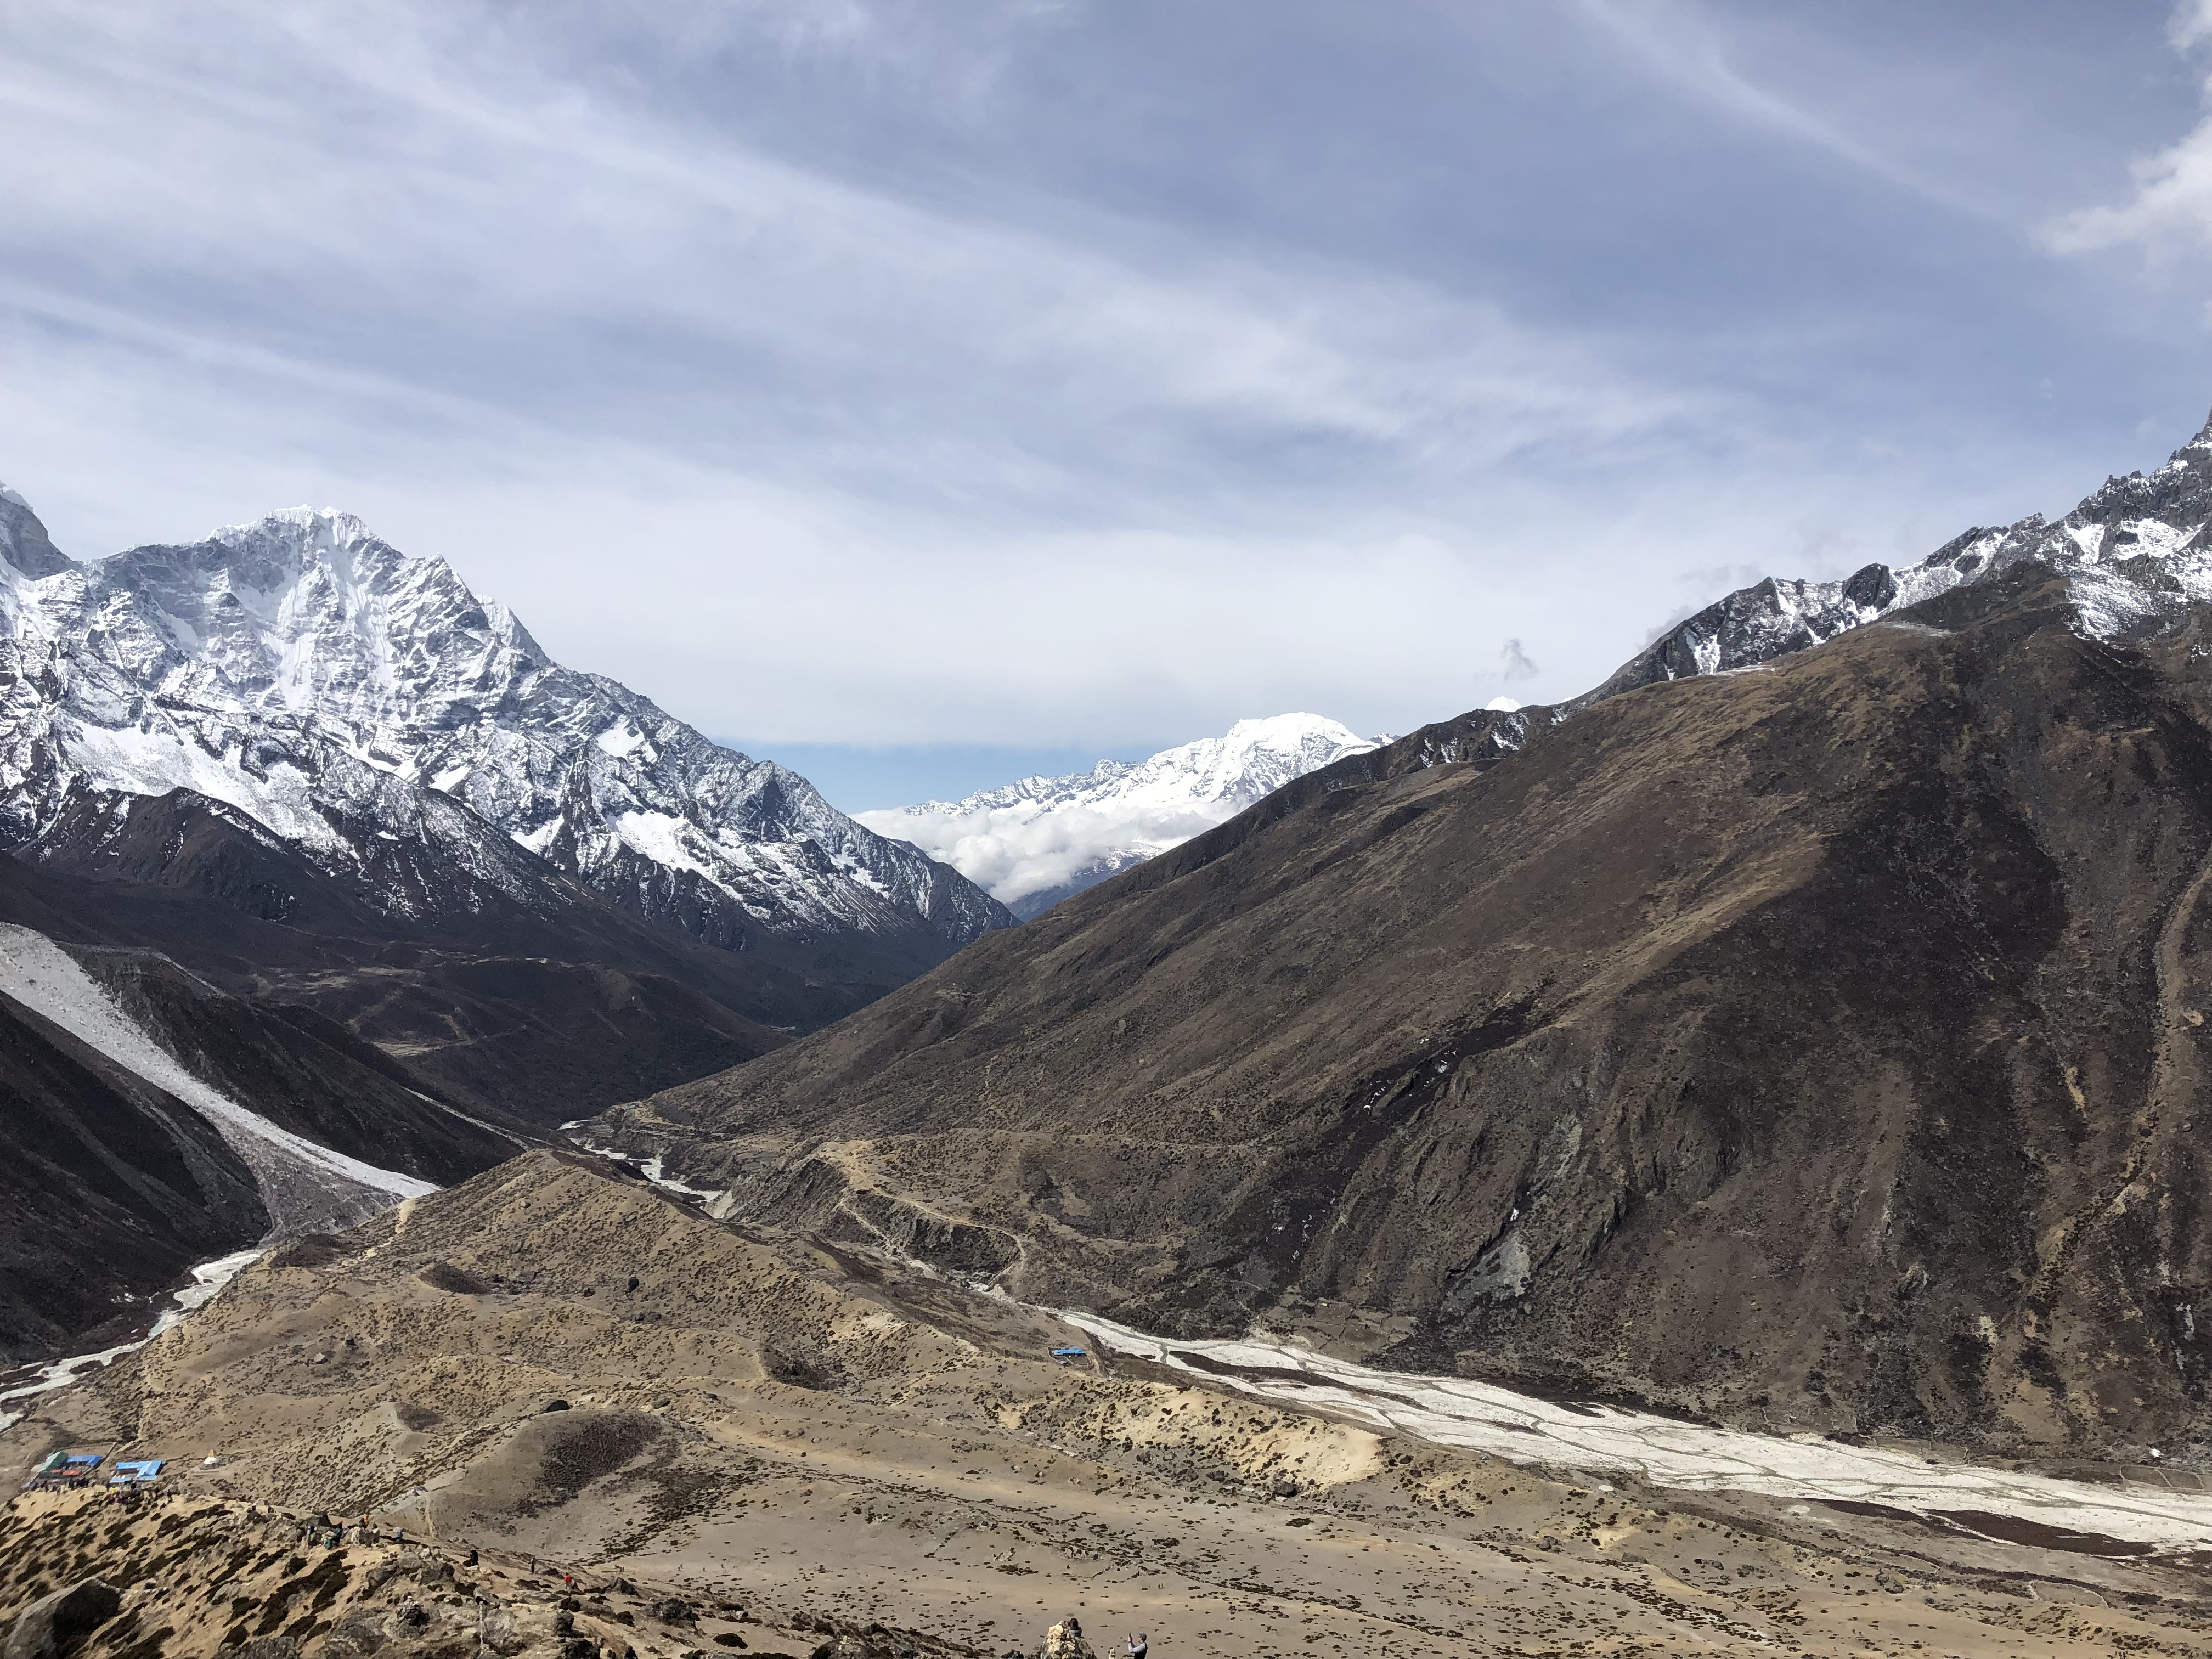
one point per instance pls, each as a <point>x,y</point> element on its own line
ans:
<point>57,1624</point>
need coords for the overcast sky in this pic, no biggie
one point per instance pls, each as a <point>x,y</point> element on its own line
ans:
<point>925,393</point>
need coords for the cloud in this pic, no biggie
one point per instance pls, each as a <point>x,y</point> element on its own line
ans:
<point>2171,204</point>
<point>499,227</point>
<point>1012,852</point>
<point>1680,42</point>
<point>415,266</point>
<point>1514,664</point>
<point>870,373</point>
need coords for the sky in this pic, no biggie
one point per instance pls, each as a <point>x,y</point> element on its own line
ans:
<point>927,395</point>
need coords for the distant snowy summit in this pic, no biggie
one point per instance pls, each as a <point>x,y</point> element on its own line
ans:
<point>362,705</point>
<point>1033,843</point>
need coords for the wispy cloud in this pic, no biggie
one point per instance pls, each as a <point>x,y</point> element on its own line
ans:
<point>540,227</point>
<point>875,372</point>
<point>1680,42</point>
<point>2170,207</point>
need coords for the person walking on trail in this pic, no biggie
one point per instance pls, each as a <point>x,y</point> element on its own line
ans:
<point>1065,1641</point>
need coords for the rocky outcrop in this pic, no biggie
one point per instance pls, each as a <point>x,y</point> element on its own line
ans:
<point>56,1625</point>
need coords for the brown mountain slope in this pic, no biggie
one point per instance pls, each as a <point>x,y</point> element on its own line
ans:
<point>1821,1045</point>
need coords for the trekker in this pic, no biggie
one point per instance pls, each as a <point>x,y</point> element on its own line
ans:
<point>1139,1645</point>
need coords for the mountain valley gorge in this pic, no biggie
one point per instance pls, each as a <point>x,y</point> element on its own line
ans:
<point>701,1218</point>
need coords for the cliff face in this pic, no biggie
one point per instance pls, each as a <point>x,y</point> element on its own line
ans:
<point>1821,1046</point>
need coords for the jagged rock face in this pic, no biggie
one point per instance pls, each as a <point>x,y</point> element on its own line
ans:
<point>1822,1046</point>
<point>1035,842</point>
<point>341,693</point>
<point>2135,554</point>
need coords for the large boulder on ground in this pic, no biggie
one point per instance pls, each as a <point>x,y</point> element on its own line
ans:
<point>57,1624</point>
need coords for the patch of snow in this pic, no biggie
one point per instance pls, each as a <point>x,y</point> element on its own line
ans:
<point>652,1169</point>
<point>302,1184</point>
<point>672,842</point>
<point>208,1280</point>
<point>1685,1456</point>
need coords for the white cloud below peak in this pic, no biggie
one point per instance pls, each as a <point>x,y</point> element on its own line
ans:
<point>1041,836</point>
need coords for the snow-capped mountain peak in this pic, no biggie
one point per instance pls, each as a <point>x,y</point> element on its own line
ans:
<point>308,612</point>
<point>307,673</point>
<point>2137,551</point>
<point>1035,842</point>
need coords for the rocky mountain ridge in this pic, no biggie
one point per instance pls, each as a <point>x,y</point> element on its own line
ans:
<point>337,691</point>
<point>2134,553</point>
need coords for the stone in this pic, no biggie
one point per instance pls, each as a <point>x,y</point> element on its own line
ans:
<point>57,1624</point>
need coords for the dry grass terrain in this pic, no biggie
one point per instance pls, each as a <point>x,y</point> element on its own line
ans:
<point>824,1443</point>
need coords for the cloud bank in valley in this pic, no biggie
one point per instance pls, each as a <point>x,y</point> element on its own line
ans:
<point>1041,838</point>
<point>1017,853</point>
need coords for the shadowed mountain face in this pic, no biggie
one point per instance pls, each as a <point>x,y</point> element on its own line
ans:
<point>1821,1046</point>
<point>116,1174</point>
<point>523,995</point>
<point>305,996</point>
<point>109,1189</point>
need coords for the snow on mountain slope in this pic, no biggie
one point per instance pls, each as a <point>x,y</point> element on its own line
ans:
<point>2135,554</point>
<point>304,1186</point>
<point>337,691</point>
<point>2137,551</point>
<point>1034,843</point>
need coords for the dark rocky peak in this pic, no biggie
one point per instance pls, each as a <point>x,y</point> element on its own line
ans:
<point>24,543</point>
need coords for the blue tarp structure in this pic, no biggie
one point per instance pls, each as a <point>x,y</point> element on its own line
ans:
<point>146,1468</point>
<point>1069,1353</point>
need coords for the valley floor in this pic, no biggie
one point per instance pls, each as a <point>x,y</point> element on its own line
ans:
<point>556,1364</point>
<point>2143,1505</point>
